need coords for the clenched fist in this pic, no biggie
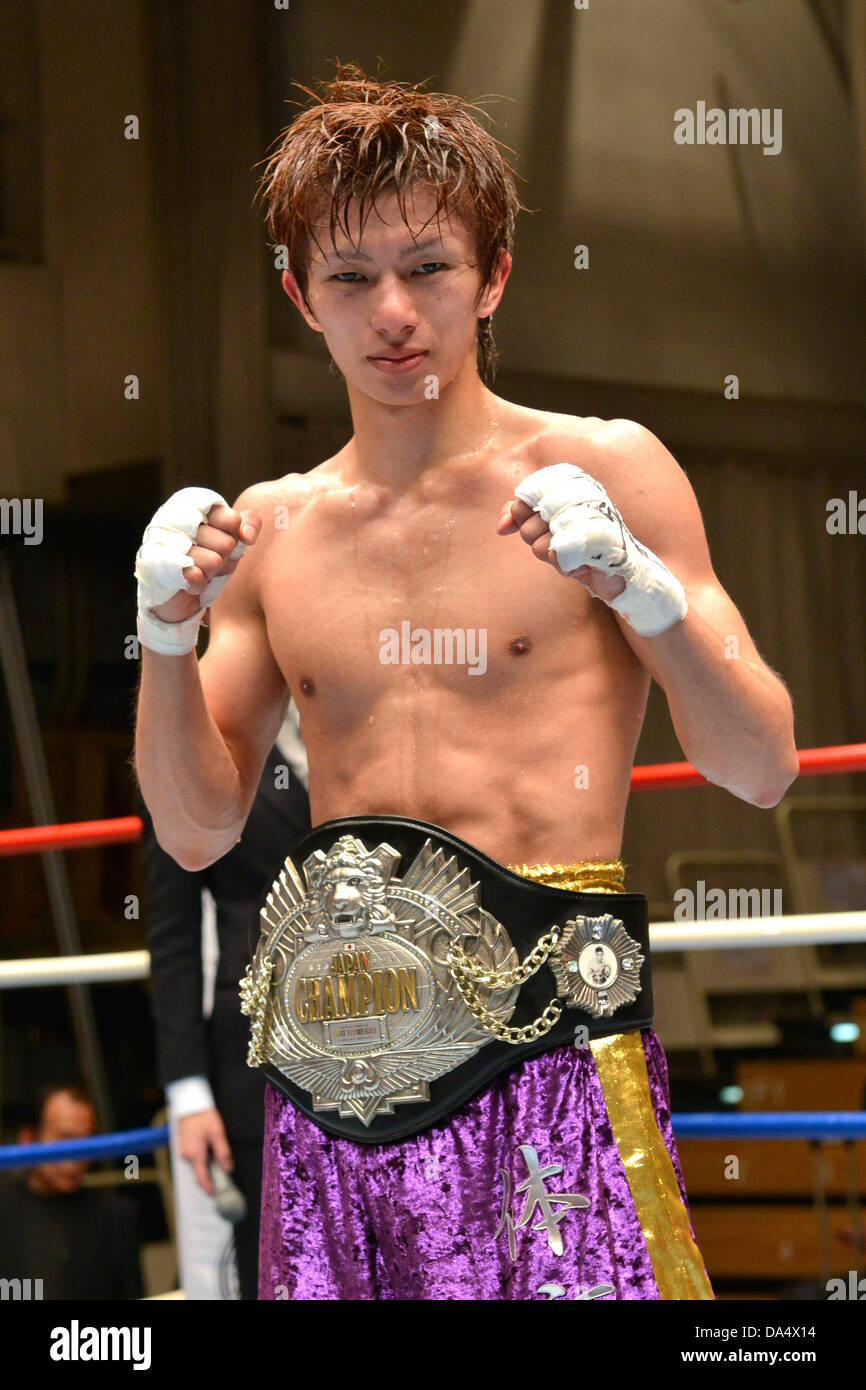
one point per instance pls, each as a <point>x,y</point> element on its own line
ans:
<point>571,523</point>
<point>190,548</point>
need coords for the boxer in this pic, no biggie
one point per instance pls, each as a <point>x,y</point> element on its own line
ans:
<point>560,1171</point>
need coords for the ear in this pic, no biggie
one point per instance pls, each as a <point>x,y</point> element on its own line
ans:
<point>492,295</point>
<point>293,290</point>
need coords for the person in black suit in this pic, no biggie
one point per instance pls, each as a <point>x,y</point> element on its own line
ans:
<point>216,1099</point>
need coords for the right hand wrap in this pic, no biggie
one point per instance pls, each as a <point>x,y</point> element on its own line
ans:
<point>160,564</point>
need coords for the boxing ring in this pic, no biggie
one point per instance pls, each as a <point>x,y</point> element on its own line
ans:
<point>846,1126</point>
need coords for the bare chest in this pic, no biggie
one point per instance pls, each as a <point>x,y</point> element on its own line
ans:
<point>362,600</point>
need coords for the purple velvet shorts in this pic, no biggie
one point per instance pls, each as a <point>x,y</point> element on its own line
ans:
<point>560,1180</point>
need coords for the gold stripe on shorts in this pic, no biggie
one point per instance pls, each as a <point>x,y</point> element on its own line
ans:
<point>677,1265</point>
<point>621,1065</point>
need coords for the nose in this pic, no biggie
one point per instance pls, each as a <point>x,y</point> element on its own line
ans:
<point>393,308</point>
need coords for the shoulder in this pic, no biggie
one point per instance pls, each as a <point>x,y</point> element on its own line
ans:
<point>630,462</point>
<point>276,503</point>
<point>279,500</point>
<point>620,451</point>
<point>265,496</point>
<point>639,474</point>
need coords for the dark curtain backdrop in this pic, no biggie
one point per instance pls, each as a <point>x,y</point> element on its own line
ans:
<point>801,593</point>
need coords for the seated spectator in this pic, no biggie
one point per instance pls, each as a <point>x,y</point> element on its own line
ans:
<point>80,1242</point>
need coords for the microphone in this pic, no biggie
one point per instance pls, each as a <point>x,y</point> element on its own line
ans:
<point>230,1201</point>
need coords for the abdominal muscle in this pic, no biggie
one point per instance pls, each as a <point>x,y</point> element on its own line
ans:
<point>534,776</point>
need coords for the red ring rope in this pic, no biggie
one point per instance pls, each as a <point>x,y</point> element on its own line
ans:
<point>33,839</point>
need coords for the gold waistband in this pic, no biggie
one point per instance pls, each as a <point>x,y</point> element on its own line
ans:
<point>582,876</point>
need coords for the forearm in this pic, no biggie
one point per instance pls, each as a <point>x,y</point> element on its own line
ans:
<point>187,776</point>
<point>732,715</point>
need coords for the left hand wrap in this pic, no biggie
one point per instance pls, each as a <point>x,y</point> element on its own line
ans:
<point>587,529</point>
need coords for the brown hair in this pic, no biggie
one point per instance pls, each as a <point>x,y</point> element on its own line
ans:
<point>362,136</point>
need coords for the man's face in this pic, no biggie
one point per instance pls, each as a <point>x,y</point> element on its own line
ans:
<point>63,1117</point>
<point>379,295</point>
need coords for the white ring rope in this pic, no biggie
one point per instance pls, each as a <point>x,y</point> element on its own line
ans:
<point>803,929</point>
<point>800,929</point>
<point>75,970</point>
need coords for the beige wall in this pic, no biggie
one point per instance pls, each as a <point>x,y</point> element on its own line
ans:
<point>77,324</point>
<point>153,257</point>
<point>704,261</point>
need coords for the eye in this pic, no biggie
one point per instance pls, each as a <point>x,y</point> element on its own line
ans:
<point>426,268</point>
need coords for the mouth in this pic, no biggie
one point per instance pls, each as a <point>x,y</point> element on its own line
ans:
<point>400,362</point>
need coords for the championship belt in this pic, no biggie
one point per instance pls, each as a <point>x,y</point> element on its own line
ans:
<point>399,969</point>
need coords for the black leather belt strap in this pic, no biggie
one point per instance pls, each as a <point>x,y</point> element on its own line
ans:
<point>527,910</point>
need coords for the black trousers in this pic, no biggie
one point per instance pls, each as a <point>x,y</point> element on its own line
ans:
<point>247,1174</point>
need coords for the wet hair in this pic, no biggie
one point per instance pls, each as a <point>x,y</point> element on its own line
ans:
<point>365,136</point>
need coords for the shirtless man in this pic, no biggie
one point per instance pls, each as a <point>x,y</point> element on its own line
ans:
<point>416,520</point>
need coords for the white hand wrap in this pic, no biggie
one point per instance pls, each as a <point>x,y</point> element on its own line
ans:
<point>587,529</point>
<point>160,564</point>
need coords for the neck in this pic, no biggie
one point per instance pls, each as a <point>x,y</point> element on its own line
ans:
<point>393,445</point>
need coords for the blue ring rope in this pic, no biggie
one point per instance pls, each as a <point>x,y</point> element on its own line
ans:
<point>118,1145</point>
<point>828,1125</point>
